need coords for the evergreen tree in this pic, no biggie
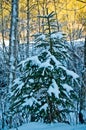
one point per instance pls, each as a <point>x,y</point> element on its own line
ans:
<point>46,88</point>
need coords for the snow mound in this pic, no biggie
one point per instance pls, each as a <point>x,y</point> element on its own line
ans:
<point>56,126</point>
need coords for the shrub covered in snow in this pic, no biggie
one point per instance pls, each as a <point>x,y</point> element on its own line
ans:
<point>46,88</point>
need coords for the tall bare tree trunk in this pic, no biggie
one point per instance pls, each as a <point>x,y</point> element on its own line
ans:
<point>13,42</point>
<point>84,73</point>
<point>39,26</point>
<point>85,53</point>
<point>2,29</point>
<point>28,28</point>
<point>48,21</point>
<point>44,7</point>
<point>83,87</point>
<point>55,3</point>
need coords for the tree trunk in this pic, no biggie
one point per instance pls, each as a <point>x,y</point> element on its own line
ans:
<point>55,3</point>
<point>13,42</point>
<point>85,53</point>
<point>39,28</point>
<point>84,73</point>
<point>28,28</point>
<point>83,87</point>
<point>51,43</point>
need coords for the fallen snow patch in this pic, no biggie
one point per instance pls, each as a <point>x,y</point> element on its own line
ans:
<point>56,126</point>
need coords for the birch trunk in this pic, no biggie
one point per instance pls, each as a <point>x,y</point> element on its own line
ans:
<point>13,42</point>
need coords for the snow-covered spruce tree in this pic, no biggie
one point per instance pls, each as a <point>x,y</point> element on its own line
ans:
<point>46,87</point>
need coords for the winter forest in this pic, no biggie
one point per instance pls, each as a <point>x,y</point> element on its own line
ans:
<point>43,64</point>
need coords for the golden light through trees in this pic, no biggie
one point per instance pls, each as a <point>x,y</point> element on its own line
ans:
<point>69,13</point>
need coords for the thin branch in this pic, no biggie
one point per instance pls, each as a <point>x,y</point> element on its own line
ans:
<point>81,1</point>
<point>73,9</point>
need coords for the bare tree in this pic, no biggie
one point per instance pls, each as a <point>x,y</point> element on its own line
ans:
<point>38,9</point>
<point>13,42</point>
<point>28,27</point>
<point>55,8</point>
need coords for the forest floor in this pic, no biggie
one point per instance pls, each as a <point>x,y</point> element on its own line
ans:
<point>56,126</point>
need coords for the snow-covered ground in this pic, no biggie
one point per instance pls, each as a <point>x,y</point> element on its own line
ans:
<point>56,126</point>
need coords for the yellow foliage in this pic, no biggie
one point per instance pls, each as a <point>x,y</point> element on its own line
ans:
<point>68,11</point>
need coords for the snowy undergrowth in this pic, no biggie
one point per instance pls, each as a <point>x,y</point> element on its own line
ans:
<point>56,126</point>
